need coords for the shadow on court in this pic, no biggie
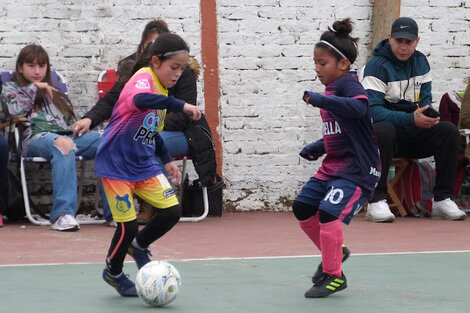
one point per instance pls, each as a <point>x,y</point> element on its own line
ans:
<point>428,282</point>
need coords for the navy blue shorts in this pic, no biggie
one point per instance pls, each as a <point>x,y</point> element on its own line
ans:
<point>338,197</point>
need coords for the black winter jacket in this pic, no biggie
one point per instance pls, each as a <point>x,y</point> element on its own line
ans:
<point>197,133</point>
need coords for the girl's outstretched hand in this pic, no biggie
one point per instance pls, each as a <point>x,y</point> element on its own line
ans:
<point>192,111</point>
<point>173,172</point>
<point>306,97</point>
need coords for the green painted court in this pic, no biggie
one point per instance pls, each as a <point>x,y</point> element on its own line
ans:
<point>421,282</point>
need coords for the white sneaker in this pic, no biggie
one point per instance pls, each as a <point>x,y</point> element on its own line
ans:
<point>65,223</point>
<point>379,212</point>
<point>111,223</point>
<point>446,210</point>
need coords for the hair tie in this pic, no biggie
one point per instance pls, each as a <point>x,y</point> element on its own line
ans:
<point>334,48</point>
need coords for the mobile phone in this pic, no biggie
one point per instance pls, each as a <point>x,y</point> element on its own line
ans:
<point>430,112</point>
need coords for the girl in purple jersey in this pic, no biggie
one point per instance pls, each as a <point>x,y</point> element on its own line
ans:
<point>351,168</point>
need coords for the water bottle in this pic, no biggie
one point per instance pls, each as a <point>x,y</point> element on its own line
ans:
<point>391,172</point>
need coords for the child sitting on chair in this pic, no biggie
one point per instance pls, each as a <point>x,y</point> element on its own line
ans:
<point>48,134</point>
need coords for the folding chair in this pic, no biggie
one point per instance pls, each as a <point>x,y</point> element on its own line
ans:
<point>106,81</point>
<point>400,166</point>
<point>59,82</point>
<point>205,197</point>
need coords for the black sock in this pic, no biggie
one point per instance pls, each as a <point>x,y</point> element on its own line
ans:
<point>123,235</point>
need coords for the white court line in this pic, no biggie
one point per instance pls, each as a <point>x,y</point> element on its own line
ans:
<point>318,255</point>
<point>249,258</point>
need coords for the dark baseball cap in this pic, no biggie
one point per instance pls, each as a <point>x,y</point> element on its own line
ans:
<point>405,27</point>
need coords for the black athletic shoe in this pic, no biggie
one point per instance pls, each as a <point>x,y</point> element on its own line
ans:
<point>319,273</point>
<point>328,285</point>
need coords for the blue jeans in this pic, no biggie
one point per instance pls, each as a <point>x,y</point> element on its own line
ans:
<point>175,142</point>
<point>64,171</point>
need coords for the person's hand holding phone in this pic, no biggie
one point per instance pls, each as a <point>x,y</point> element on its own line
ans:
<point>424,121</point>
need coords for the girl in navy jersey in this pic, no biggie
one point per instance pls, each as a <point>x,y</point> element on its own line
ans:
<point>351,168</point>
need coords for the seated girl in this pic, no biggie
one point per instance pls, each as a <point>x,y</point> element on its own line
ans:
<point>48,134</point>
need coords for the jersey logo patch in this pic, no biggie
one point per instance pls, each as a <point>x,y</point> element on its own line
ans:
<point>142,84</point>
<point>122,203</point>
<point>168,193</point>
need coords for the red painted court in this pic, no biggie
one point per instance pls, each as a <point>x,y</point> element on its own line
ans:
<point>234,235</point>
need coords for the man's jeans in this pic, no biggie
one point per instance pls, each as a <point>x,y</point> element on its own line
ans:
<point>64,172</point>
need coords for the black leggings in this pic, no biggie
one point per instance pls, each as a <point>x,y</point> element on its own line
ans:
<point>125,232</point>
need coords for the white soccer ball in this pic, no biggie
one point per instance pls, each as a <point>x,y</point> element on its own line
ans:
<point>158,283</point>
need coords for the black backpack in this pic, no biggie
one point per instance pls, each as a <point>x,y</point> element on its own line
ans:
<point>12,198</point>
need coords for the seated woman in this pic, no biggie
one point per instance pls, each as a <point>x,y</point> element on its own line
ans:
<point>48,134</point>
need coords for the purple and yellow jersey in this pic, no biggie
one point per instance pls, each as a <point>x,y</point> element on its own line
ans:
<point>348,138</point>
<point>127,148</point>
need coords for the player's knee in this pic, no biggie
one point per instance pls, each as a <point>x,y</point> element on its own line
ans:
<point>325,217</point>
<point>131,228</point>
<point>449,131</point>
<point>303,211</point>
<point>171,215</point>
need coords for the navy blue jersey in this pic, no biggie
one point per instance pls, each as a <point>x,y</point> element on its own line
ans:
<point>348,137</point>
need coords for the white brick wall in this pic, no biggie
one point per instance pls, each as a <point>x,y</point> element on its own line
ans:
<point>84,37</point>
<point>265,53</point>
<point>265,59</point>
<point>266,63</point>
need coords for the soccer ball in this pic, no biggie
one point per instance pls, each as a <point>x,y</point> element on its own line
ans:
<point>158,283</point>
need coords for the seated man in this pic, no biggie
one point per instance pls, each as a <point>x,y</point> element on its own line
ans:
<point>398,83</point>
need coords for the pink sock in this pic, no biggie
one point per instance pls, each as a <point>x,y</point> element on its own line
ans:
<point>331,239</point>
<point>311,227</point>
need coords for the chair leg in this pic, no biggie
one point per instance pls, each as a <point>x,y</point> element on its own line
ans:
<point>205,199</point>
<point>80,183</point>
<point>183,177</point>
<point>400,167</point>
<point>27,207</point>
<point>396,200</point>
<point>98,196</point>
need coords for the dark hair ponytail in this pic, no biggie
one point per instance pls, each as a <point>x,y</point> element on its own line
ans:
<point>162,48</point>
<point>340,38</point>
<point>155,26</point>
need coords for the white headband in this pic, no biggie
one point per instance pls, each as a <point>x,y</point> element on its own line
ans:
<point>167,54</point>
<point>334,48</point>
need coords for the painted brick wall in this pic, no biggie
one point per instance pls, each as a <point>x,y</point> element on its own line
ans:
<point>266,64</point>
<point>265,57</point>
